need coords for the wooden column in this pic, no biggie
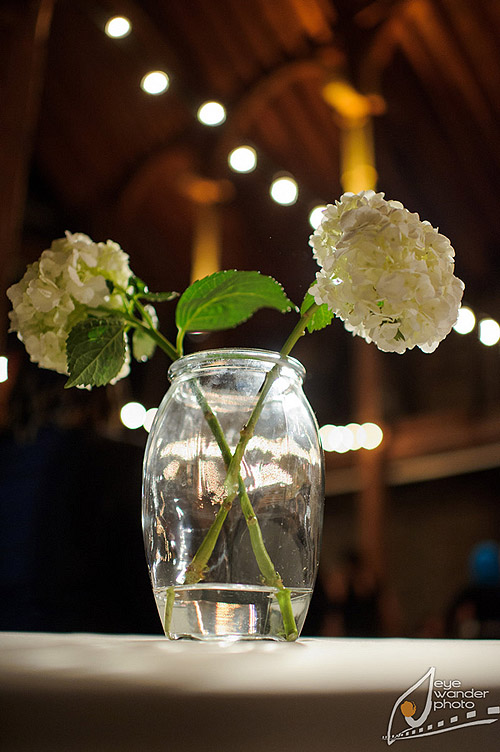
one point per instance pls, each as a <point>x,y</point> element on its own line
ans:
<point>371,498</point>
<point>353,113</point>
<point>24,29</point>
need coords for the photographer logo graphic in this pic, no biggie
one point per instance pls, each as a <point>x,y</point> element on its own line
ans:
<point>432,706</point>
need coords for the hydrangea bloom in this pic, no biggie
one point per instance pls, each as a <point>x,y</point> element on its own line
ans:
<point>57,291</point>
<point>387,274</point>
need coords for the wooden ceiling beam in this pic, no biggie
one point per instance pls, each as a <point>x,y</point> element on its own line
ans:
<point>442,62</point>
<point>479,42</point>
<point>24,33</point>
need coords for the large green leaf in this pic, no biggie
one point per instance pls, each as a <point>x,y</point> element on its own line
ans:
<point>320,318</point>
<point>95,351</point>
<point>228,298</point>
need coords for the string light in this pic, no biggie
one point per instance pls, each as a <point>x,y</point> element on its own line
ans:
<point>243,159</point>
<point>155,82</point>
<point>4,368</point>
<point>118,27</point>
<point>466,321</point>
<point>132,415</point>
<point>284,190</point>
<point>211,113</point>
<point>489,332</point>
<point>315,216</point>
<point>149,418</point>
<point>352,437</point>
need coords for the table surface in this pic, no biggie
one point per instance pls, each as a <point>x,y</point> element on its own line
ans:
<point>80,692</point>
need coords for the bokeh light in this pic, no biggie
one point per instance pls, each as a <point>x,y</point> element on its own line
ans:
<point>155,82</point>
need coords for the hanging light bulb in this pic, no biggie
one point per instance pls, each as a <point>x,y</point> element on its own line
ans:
<point>489,332</point>
<point>211,113</point>
<point>243,159</point>
<point>155,82</point>
<point>316,215</point>
<point>466,321</point>
<point>284,190</point>
<point>118,27</point>
<point>4,368</point>
<point>149,417</point>
<point>132,415</point>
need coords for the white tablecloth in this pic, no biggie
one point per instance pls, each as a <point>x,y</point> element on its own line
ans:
<point>87,693</point>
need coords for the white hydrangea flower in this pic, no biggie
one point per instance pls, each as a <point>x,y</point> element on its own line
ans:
<point>385,273</point>
<point>57,291</point>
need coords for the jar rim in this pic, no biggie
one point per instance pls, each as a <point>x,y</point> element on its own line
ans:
<point>211,358</point>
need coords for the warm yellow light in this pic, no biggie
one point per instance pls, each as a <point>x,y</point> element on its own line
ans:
<point>132,415</point>
<point>211,113</point>
<point>466,321</point>
<point>155,82</point>
<point>4,368</point>
<point>284,191</point>
<point>489,332</point>
<point>352,437</point>
<point>358,435</point>
<point>316,216</point>
<point>346,100</point>
<point>118,27</point>
<point>328,436</point>
<point>373,435</point>
<point>243,159</point>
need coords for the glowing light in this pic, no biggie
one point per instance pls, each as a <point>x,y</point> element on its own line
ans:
<point>211,113</point>
<point>243,159</point>
<point>466,321</point>
<point>489,332</point>
<point>155,82</point>
<point>4,368</point>
<point>284,191</point>
<point>149,418</point>
<point>132,415</point>
<point>358,435</point>
<point>352,437</point>
<point>373,435</point>
<point>315,216</point>
<point>328,436</point>
<point>118,27</point>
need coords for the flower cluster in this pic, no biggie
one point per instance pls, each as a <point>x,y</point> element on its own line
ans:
<point>72,277</point>
<point>387,274</point>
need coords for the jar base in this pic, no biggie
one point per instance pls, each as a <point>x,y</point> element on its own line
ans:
<point>222,611</point>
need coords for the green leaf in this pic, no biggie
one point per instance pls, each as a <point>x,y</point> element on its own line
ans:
<point>228,298</point>
<point>320,318</point>
<point>95,351</point>
<point>143,346</point>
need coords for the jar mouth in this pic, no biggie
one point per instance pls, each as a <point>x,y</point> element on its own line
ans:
<point>236,357</point>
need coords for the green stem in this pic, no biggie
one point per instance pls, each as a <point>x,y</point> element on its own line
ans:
<point>198,565</point>
<point>157,336</point>
<point>248,430</point>
<point>169,605</point>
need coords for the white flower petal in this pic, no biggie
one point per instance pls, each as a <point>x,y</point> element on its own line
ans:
<point>387,274</point>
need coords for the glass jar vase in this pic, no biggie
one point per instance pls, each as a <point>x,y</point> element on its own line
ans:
<point>233,556</point>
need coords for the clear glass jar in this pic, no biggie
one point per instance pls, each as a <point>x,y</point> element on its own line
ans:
<point>275,519</point>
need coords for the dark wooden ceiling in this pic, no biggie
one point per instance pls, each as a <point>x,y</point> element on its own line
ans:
<point>109,160</point>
